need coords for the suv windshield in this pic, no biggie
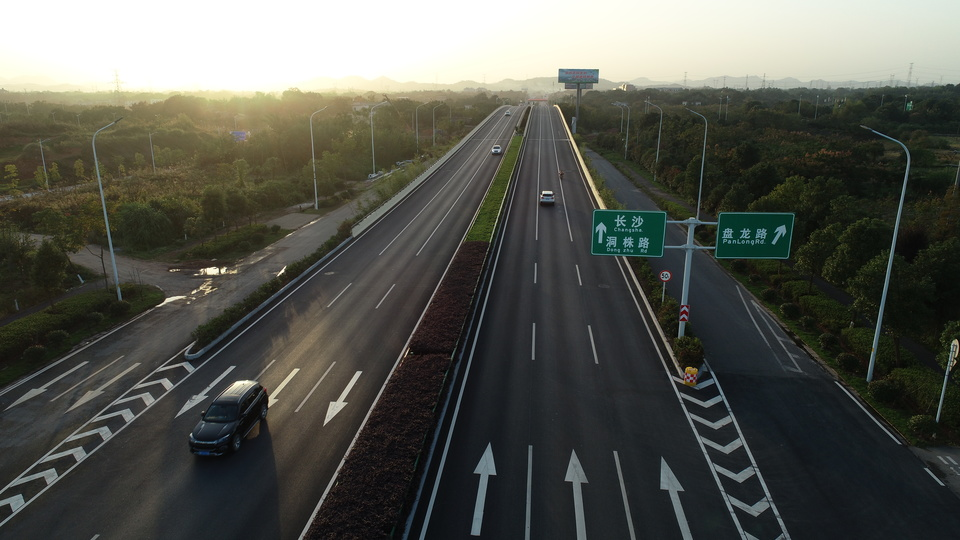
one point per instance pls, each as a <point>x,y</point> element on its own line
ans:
<point>221,413</point>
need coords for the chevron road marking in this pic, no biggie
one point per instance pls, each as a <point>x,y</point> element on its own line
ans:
<point>755,510</point>
<point>736,477</point>
<point>714,425</point>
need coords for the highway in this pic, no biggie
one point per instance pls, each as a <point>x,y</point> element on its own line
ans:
<point>111,459</point>
<point>566,421</point>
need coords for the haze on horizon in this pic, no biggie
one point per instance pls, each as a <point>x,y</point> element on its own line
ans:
<point>247,46</point>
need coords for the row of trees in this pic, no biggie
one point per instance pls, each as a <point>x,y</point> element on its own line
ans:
<point>768,151</point>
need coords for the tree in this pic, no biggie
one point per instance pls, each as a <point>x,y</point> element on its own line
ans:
<point>67,232</point>
<point>54,173</point>
<point>11,176</point>
<point>940,262</point>
<point>859,243</point>
<point>143,227</point>
<point>908,297</point>
<point>78,170</point>
<point>812,256</point>
<point>214,205</point>
<point>49,269</point>
<point>40,178</point>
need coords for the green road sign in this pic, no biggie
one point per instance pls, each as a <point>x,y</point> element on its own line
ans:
<point>746,235</point>
<point>630,233</point>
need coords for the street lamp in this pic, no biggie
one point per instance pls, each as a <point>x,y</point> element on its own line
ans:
<point>659,131</point>
<point>103,201</point>
<point>313,160</point>
<point>46,179</point>
<point>153,159</point>
<point>435,121</point>
<point>691,227</point>
<point>619,105</point>
<point>893,248</point>
<point>627,138</point>
<point>372,154</point>
<point>416,114</point>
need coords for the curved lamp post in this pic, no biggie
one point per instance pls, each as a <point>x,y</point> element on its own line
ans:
<point>893,248</point>
<point>46,179</point>
<point>313,160</point>
<point>703,159</point>
<point>691,227</point>
<point>659,131</point>
<point>372,154</point>
<point>153,159</point>
<point>435,121</point>
<point>103,201</point>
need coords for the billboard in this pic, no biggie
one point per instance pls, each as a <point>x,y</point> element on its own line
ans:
<point>574,86</point>
<point>579,76</point>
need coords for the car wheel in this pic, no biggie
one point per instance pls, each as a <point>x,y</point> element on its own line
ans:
<point>235,442</point>
<point>263,411</point>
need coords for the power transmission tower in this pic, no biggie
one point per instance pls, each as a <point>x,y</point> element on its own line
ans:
<point>909,74</point>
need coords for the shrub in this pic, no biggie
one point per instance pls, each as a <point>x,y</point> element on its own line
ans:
<point>860,343</point>
<point>119,308</point>
<point>93,318</point>
<point>669,314</point>
<point>829,341</point>
<point>790,310</point>
<point>756,278</point>
<point>831,314</point>
<point>886,391</point>
<point>35,353</point>
<point>689,351</point>
<point>923,426</point>
<point>55,338</point>
<point>849,363</point>
<point>808,323</point>
<point>792,290</point>
<point>770,295</point>
<point>740,266</point>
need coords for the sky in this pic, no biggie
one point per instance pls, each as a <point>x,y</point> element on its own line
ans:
<point>279,44</point>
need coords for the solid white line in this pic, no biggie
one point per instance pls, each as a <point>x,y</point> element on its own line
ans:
<point>526,523</point>
<point>310,393</point>
<point>875,421</point>
<point>88,378</point>
<point>937,480</point>
<point>579,279</point>
<point>534,273</point>
<point>623,493</point>
<point>596,359</point>
<point>533,343</point>
<point>341,294</point>
<point>385,296</point>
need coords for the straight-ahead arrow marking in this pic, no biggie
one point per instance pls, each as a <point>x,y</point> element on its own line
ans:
<point>736,477</point>
<point>93,394</point>
<point>485,468</point>
<point>576,476</point>
<point>670,484</point>
<point>339,404</point>
<point>192,402</point>
<point>34,392</point>
<point>273,396</point>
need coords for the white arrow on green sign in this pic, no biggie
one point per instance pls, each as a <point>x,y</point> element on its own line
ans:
<point>751,235</point>
<point>630,233</point>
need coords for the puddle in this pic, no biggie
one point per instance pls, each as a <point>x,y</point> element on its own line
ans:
<point>171,300</point>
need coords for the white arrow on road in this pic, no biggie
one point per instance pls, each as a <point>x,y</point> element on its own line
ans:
<point>192,402</point>
<point>273,397</point>
<point>339,404</point>
<point>485,469</point>
<point>780,231</point>
<point>601,228</point>
<point>34,392</point>
<point>93,394</point>
<point>669,482</point>
<point>576,475</point>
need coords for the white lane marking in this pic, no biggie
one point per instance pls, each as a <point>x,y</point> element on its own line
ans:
<point>88,378</point>
<point>534,273</point>
<point>526,522</point>
<point>579,279</point>
<point>669,483</point>
<point>623,494</point>
<point>341,294</point>
<point>34,392</point>
<point>192,402</point>
<point>338,405</point>
<point>310,393</point>
<point>875,421</point>
<point>385,296</point>
<point>773,332</point>
<point>273,395</point>
<point>533,343</point>
<point>577,477</point>
<point>485,468</point>
<point>937,480</point>
<point>264,370</point>
<point>593,345</point>
<point>93,394</point>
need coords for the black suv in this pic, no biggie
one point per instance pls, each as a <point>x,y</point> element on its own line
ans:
<point>228,420</point>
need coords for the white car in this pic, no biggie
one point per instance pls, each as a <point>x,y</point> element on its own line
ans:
<point>507,114</point>
<point>547,197</point>
<point>497,149</point>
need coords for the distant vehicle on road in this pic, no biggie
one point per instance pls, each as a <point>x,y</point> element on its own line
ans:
<point>547,197</point>
<point>497,149</point>
<point>507,113</point>
<point>229,419</point>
